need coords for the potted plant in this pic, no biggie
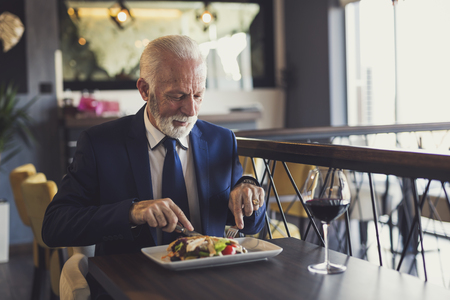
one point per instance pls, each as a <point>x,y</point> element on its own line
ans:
<point>15,125</point>
<point>15,122</point>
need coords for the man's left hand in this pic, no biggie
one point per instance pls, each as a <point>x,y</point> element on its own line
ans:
<point>245,198</point>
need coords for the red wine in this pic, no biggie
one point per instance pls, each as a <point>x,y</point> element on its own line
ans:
<point>327,210</point>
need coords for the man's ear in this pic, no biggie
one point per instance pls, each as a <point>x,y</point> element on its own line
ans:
<point>143,88</point>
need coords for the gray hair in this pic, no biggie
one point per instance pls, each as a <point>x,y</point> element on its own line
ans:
<point>179,47</point>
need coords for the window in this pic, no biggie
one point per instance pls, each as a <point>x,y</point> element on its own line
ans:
<point>398,61</point>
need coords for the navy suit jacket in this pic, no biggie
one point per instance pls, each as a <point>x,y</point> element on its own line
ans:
<point>110,170</point>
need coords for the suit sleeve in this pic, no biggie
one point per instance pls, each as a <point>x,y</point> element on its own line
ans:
<point>254,223</point>
<point>75,217</point>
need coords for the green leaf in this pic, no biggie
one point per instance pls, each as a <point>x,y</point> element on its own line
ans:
<point>15,122</point>
<point>220,245</point>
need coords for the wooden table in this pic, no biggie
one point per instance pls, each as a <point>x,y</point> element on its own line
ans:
<point>134,276</point>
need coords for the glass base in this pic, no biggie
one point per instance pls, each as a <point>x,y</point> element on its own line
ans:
<point>325,268</point>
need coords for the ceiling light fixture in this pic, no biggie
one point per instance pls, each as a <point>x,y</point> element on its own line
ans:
<point>120,14</point>
<point>73,14</point>
<point>207,16</point>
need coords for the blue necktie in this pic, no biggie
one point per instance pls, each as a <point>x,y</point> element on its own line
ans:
<point>173,185</point>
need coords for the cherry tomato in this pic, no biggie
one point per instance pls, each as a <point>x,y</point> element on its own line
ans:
<point>229,250</point>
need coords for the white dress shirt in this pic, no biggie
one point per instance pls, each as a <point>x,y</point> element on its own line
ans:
<point>157,153</point>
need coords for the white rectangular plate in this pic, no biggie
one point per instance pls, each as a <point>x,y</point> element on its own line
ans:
<point>257,250</point>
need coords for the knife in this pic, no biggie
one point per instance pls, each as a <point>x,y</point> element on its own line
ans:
<point>186,232</point>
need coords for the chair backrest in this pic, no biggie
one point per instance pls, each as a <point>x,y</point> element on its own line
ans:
<point>247,165</point>
<point>281,179</point>
<point>16,177</point>
<point>73,284</point>
<point>37,193</point>
<point>299,173</point>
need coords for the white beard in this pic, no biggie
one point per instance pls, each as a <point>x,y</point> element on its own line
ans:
<point>166,126</point>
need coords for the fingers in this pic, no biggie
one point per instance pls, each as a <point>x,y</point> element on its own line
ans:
<point>181,218</point>
<point>252,199</point>
<point>236,208</point>
<point>247,197</point>
<point>258,199</point>
<point>244,200</point>
<point>160,213</point>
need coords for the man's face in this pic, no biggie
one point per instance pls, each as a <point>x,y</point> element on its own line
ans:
<point>179,89</point>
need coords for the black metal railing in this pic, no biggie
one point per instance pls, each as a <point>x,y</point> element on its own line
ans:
<point>409,165</point>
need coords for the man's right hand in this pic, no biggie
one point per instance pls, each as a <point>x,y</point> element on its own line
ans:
<point>161,213</point>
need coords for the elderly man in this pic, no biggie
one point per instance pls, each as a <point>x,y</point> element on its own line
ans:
<point>122,193</point>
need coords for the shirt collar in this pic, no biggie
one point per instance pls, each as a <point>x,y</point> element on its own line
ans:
<point>156,137</point>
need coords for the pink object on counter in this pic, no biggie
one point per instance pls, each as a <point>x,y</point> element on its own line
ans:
<point>107,107</point>
<point>99,107</point>
<point>87,104</point>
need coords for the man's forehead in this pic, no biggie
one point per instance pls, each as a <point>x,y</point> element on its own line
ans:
<point>183,73</point>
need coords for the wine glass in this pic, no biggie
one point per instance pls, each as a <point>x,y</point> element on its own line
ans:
<point>327,196</point>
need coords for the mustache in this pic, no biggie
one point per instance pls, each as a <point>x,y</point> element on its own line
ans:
<point>184,118</point>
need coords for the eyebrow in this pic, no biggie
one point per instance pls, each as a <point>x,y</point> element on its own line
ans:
<point>184,93</point>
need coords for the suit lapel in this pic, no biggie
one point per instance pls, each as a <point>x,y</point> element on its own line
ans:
<point>201,162</point>
<point>138,156</point>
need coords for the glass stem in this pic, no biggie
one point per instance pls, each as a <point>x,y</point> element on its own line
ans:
<point>325,239</point>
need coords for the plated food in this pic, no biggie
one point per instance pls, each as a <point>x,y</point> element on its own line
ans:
<point>257,249</point>
<point>187,248</point>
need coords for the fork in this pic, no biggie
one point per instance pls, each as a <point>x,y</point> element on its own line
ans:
<point>232,232</point>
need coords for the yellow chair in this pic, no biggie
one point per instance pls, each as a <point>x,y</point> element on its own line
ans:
<point>247,165</point>
<point>16,178</point>
<point>37,193</point>
<point>278,230</point>
<point>73,284</point>
<point>284,187</point>
<point>292,207</point>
